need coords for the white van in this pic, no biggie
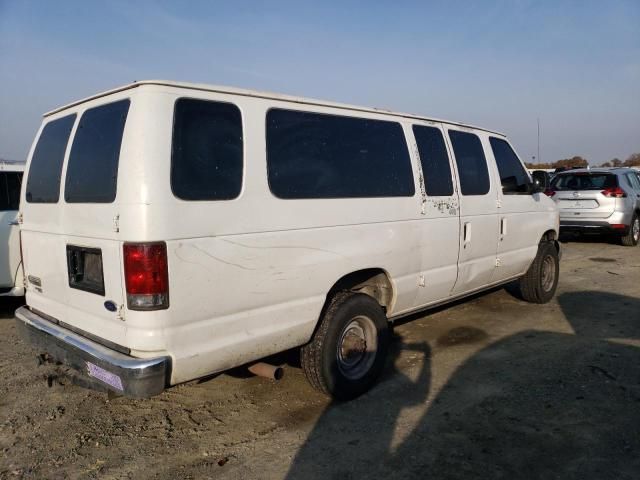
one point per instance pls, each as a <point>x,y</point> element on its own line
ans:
<point>11,279</point>
<point>173,230</point>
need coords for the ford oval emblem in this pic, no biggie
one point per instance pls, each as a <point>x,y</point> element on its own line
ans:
<point>109,305</point>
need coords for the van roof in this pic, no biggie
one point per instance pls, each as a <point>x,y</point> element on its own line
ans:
<point>267,95</point>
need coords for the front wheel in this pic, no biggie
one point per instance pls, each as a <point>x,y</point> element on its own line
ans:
<point>347,352</point>
<point>539,284</point>
<point>633,236</point>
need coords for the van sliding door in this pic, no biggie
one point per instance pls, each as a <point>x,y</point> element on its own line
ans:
<point>440,225</point>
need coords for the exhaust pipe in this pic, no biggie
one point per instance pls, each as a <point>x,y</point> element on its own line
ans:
<point>262,369</point>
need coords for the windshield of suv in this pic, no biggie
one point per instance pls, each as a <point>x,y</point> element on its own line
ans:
<point>584,181</point>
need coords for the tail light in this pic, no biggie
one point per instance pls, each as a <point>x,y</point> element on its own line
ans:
<point>549,193</point>
<point>614,192</point>
<point>146,275</point>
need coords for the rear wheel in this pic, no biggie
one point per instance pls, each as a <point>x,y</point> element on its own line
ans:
<point>539,284</point>
<point>633,236</point>
<point>347,352</point>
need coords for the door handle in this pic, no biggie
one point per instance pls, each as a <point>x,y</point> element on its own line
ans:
<point>15,222</point>
<point>503,226</point>
<point>467,233</point>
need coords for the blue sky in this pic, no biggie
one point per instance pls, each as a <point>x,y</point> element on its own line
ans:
<point>501,65</point>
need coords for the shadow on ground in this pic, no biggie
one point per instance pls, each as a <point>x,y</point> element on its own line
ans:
<point>569,237</point>
<point>8,306</point>
<point>534,405</point>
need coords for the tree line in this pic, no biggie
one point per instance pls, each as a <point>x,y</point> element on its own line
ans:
<point>578,161</point>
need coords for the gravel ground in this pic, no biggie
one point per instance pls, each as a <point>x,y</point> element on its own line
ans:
<point>491,387</point>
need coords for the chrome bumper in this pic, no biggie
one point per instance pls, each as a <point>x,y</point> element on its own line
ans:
<point>133,377</point>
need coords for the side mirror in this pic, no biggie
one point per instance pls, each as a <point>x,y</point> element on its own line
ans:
<point>541,181</point>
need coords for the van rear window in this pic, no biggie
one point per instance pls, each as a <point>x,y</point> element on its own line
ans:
<point>92,172</point>
<point>314,155</point>
<point>43,182</point>
<point>206,157</point>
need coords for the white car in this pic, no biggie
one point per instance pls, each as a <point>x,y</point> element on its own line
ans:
<point>11,279</point>
<point>602,200</point>
<point>175,230</point>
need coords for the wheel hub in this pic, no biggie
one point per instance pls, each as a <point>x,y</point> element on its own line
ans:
<point>548,273</point>
<point>356,349</point>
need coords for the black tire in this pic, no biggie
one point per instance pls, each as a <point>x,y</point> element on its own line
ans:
<point>347,373</point>
<point>633,235</point>
<point>536,286</point>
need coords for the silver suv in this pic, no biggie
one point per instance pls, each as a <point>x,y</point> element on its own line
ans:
<point>603,200</point>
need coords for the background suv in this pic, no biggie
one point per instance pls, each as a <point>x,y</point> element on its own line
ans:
<point>599,199</point>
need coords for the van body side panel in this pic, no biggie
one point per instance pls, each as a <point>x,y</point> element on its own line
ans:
<point>248,296</point>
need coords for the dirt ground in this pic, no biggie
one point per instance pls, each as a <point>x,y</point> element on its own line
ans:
<point>489,388</point>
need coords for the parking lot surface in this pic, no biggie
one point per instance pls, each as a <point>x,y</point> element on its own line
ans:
<point>491,387</point>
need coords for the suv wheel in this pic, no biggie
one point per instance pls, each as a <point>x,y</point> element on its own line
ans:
<point>347,352</point>
<point>633,236</point>
<point>539,284</point>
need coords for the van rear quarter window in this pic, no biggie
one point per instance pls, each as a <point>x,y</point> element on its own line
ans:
<point>434,160</point>
<point>314,155</point>
<point>471,162</point>
<point>207,150</point>
<point>45,170</point>
<point>92,172</point>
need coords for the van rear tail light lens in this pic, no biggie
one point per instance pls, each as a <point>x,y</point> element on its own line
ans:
<point>549,193</point>
<point>615,192</point>
<point>146,275</point>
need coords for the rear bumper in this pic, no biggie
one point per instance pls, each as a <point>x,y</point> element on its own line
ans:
<point>591,226</point>
<point>123,374</point>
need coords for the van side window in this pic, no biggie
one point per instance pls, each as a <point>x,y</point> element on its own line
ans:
<point>92,171</point>
<point>471,162</point>
<point>314,155</point>
<point>43,182</point>
<point>513,176</point>
<point>207,150</point>
<point>10,190</point>
<point>434,160</point>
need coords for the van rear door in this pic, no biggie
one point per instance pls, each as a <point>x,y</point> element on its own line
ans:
<point>72,254</point>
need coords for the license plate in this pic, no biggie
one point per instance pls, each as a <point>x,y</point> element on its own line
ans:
<point>105,376</point>
<point>579,204</point>
<point>85,269</point>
